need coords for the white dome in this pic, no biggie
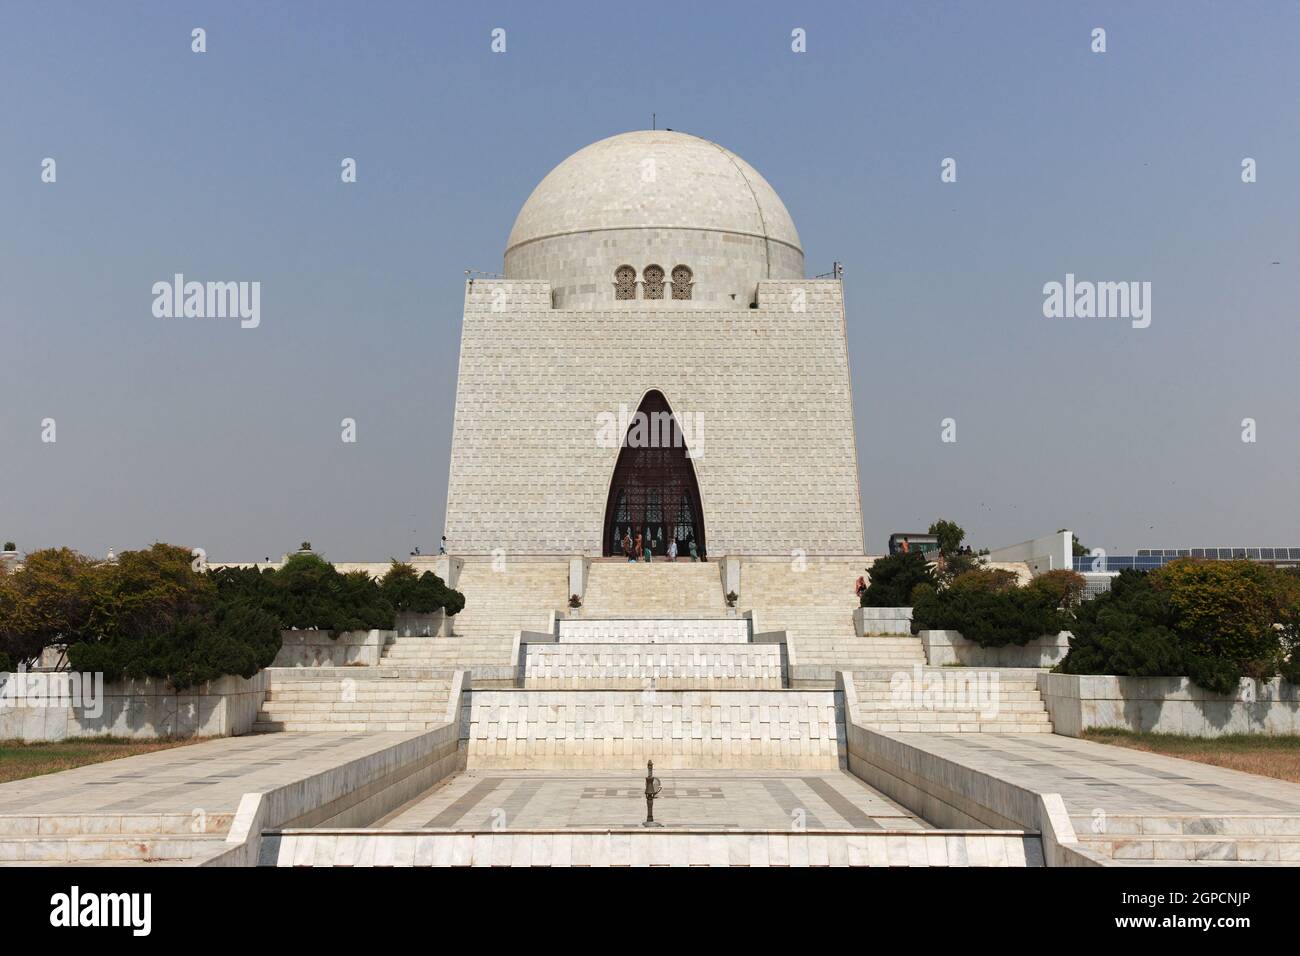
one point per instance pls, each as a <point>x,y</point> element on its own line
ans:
<point>653,198</point>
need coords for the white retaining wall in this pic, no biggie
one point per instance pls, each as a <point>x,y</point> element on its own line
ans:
<point>882,621</point>
<point>565,848</point>
<point>144,709</point>
<point>1173,705</point>
<point>949,647</point>
<point>312,648</point>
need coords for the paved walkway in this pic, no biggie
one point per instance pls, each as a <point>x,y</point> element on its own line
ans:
<point>1091,776</point>
<point>815,800</point>
<point>211,776</point>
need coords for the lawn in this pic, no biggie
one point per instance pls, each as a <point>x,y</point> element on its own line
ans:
<point>19,760</point>
<point>1253,753</point>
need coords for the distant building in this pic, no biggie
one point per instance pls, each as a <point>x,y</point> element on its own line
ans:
<point>921,541</point>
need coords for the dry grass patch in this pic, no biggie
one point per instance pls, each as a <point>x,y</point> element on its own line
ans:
<point>1252,753</point>
<point>19,759</point>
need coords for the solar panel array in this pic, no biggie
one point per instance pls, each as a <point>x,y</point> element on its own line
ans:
<point>1148,559</point>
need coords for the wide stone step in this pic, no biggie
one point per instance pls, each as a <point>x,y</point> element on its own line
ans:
<point>961,724</point>
<point>1002,704</point>
<point>55,825</point>
<point>431,704</point>
<point>359,727</point>
<point>84,848</point>
<point>1186,848</point>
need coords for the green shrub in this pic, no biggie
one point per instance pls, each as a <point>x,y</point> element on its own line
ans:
<point>1128,630</point>
<point>309,592</point>
<point>219,641</point>
<point>895,577</point>
<point>1064,589</point>
<point>150,591</point>
<point>1214,622</point>
<point>422,594</point>
<point>154,615</point>
<point>6,665</point>
<point>54,598</point>
<point>987,608</point>
<point>1225,613</point>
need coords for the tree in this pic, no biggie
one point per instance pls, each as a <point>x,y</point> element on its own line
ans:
<point>987,607</point>
<point>950,536</point>
<point>421,594</point>
<point>1213,621</point>
<point>894,578</point>
<point>53,599</point>
<point>953,561</point>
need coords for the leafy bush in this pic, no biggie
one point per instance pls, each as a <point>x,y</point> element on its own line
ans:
<point>1225,614</point>
<point>149,592</point>
<point>53,599</point>
<point>1063,588</point>
<point>1214,622</point>
<point>895,577</point>
<point>988,608</point>
<point>422,594</point>
<point>309,592</point>
<point>1128,630</point>
<point>220,640</point>
<point>153,615</point>
<point>6,665</point>
<point>150,613</point>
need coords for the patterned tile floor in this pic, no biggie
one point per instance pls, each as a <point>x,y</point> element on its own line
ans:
<point>817,800</point>
<point>213,775</point>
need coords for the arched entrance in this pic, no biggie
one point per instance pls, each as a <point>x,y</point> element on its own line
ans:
<point>654,490</point>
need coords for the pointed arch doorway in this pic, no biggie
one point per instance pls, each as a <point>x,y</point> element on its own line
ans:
<point>654,490</point>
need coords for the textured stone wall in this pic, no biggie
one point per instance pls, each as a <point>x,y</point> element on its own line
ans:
<point>769,387</point>
<point>646,666</point>
<point>1170,705</point>
<point>40,707</point>
<point>685,631</point>
<point>615,729</point>
<point>725,266</point>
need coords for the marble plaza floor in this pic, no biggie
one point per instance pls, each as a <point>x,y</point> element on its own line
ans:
<point>211,776</point>
<point>521,799</point>
<point>1093,776</point>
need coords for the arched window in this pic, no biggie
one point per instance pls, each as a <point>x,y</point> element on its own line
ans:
<point>624,283</point>
<point>653,278</point>
<point>681,282</point>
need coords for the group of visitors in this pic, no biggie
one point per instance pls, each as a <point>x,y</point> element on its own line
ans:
<point>637,547</point>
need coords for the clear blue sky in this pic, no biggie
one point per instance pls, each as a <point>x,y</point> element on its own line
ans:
<point>225,165</point>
